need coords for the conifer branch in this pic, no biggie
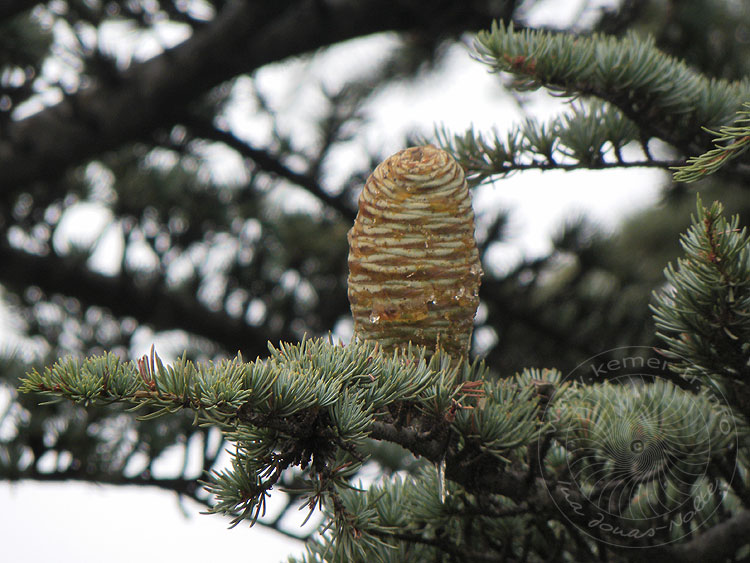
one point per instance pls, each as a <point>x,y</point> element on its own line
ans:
<point>313,404</point>
<point>731,142</point>
<point>659,93</point>
<point>589,137</point>
<point>241,38</point>
<point>704,315</point>
<point>268,162</point>
<point>656,95</point>
<point>155,304</point>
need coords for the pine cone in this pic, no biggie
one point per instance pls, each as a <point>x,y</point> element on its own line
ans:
<point>414,269</point>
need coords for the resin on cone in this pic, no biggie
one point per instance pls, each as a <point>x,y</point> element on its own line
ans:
<point>414,269</point>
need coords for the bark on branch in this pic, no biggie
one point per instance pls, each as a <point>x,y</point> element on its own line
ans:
<point>152,304</point>
<point>11,8</point>
<point>153,94</point>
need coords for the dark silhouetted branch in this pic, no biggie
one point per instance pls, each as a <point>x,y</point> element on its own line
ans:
<point>243,37</point>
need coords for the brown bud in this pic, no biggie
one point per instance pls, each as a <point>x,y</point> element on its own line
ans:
<point>414,270</point>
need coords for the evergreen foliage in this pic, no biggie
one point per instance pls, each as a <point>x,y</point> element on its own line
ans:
<point>618,454</point>
<point>653,94</point>
<point>639,464</point>
<point>731,142</point>
<point>576,139</point>
<point>703,314</point>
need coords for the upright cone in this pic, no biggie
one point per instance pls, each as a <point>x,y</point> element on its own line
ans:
<point>414,269</point>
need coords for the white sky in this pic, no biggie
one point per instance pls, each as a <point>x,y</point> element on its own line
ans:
<point>85,523</point>
<point>81,523</point>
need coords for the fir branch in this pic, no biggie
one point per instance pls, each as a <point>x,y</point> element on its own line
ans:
<point>589,137</point>
<point>661,95</point>
<point>240,39</point>
<point>154,304</point>
<point>270,163</point>
<point>311,405</point>
<point>305,405</point>
<point>703,316</point>
<point>730,141</point>
<point>409,438</point>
